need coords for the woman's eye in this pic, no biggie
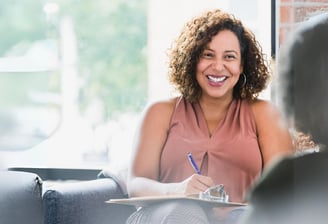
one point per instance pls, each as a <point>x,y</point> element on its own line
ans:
<point>207,55</point>
<point>230,56</point>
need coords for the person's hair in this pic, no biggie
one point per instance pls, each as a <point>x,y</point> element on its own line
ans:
<point>196,35</point>
<point>303,71</point>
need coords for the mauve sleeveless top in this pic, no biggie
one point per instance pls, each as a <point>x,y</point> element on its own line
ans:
<point>231,156</point>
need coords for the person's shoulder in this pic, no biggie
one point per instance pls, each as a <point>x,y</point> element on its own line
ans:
<point>162,108</point>
<point>264,109</point>
<point>261,105</point>
<point>162,105</point>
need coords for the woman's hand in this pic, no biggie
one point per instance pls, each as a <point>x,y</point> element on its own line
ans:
<point>194,184</point>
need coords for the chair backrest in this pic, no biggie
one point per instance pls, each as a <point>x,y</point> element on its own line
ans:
<point>20,198</point>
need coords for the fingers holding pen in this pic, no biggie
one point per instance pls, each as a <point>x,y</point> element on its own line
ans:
<point>197,183</point>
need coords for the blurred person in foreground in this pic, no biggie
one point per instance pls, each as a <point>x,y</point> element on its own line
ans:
<point>219,69</point>
<point>295,188</point>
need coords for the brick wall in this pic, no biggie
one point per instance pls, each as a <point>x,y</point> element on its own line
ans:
<point>294,11</point>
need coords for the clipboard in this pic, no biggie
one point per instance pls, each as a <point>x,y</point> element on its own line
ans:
<point>149,200</point>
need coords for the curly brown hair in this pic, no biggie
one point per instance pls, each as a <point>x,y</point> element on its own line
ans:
<point>196,34</point>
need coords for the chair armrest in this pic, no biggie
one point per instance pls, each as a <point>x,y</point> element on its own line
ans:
<point>118,177</point>
<point>84,202</point>
<point>20,198</point>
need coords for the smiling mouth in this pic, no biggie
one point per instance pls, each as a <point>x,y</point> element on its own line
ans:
<point>216,79</point>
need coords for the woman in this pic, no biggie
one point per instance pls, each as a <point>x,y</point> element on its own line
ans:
<point>219,69</point>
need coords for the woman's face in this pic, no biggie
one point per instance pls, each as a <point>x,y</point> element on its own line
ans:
<point>219,66</point>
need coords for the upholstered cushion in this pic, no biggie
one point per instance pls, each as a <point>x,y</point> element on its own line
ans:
<point>20,198</point>
<point>119,176</point>
<point>83,202</point>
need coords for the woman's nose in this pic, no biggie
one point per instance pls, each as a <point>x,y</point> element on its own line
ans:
<point>218,64</point>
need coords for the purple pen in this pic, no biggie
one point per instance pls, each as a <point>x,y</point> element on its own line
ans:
<point>193,163</point>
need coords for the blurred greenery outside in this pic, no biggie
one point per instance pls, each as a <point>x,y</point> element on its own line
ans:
<point>111,38</point>
<point>112,66</point>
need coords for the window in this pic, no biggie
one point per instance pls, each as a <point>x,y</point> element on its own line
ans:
<point>29,77</point>
<point>73,77</point>
<point>76,75</point>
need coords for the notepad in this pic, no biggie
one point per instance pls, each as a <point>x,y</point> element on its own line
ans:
<point>150,200</point>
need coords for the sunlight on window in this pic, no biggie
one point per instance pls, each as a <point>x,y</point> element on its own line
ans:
<point>94,72</point>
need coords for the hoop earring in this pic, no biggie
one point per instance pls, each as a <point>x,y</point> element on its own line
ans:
<point>243,89</point>
<point>245,80</point>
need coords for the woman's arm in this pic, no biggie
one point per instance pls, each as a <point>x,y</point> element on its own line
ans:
<point>147,148</point>
<point>273,135</point>
<point>144,171</point>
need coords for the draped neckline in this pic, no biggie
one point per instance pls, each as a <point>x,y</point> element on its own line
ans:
<point>202,123</point>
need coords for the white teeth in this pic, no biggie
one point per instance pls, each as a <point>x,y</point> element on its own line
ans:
<point>216,79</point>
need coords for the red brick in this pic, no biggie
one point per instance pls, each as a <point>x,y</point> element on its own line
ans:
<point>286,14</point>
<point>301,14</point>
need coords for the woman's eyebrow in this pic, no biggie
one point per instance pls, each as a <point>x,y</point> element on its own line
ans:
<point>231,51</point>
<point>227,51</point>
<point>208,49</point>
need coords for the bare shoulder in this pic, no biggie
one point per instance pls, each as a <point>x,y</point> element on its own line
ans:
<point>166,105</point>
<point>161,108</point>
<point>160,112</point>
<point>267,114</point>
<point>273,134</point>
<point>264,109</point>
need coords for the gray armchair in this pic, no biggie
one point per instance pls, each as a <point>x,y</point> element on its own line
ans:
<point>84,202</point>
<point>20,198</point>
<point>58,196</point>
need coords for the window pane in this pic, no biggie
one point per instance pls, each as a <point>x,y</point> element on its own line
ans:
<point>29,78</point>
<point>87,69</point>
<point>75,70</point>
